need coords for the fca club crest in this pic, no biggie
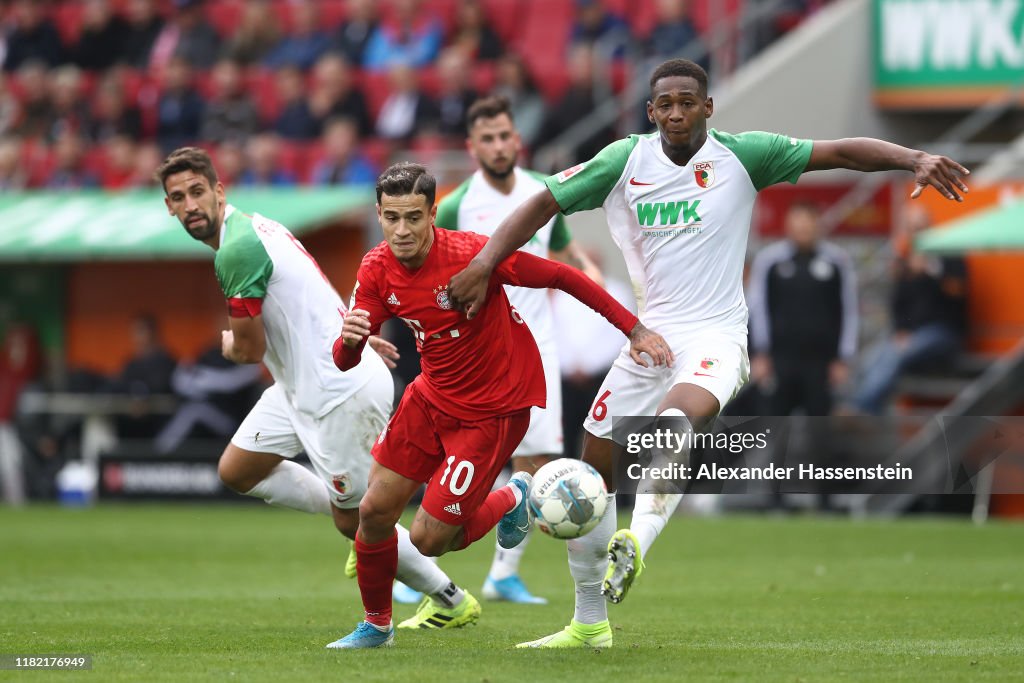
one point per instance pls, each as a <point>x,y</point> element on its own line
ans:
<point>704,173</point>
<point>441,292</point>
<point>709,364</point>
<point>341,483</point>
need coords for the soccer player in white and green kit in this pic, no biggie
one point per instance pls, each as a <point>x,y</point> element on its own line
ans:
<point>679,203</point>
<point>479,205</point>
<point>283,311</point>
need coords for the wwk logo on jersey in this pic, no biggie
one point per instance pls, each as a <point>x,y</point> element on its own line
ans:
<point>704,173</point>
<point>668,214</point>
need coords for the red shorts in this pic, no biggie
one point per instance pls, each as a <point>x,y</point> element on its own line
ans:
<point>457,459</point>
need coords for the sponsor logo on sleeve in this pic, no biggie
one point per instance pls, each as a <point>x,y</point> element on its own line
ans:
<point>569,172</point>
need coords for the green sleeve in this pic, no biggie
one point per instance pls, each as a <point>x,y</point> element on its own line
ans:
<point>768,158</point>
<point>448,209</point>
<point>560,235</point>
<point>585,186</point>
<point>243,267</point>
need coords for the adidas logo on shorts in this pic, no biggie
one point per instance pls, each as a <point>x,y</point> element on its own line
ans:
<point>393,300</point>
<point>453,509</point>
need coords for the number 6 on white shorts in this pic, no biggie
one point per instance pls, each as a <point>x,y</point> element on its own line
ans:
<point>463,469</point>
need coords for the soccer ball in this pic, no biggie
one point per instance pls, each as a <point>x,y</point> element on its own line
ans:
<point>568,498</point>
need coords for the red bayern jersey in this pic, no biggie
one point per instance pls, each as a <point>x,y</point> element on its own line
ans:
<point>476,368</point>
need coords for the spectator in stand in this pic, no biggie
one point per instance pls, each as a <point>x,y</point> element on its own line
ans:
<point>342,163</point>
<point>180,109</point>
<point>354,33</point>
<point>70,111</point>
<point>802,294</point>
<point>412,38</point>
<point>929,316</point>
<point>19,365</point>
<point>101,42</point>
<point>576,104</point>
<point>306,43</point>
<point>406,110</point>
<point>69,168</point>
<point>256,36</point>
<point>514,84</point>
<point>472,34</point>
<point>456,93</point>
<point>334,94</point>
<point>188,35</point>
<point>144,25</point>
<point>230,114</point>
<point>37,108</point>
<point>673,35</point>
<point>263,156</point>
<point>12,173</point>
<point>10,108</point>
<point>112,114</point>
<point>147,373</point>
<point>118,171</point>
<point>295,121</point>
<point>147,159</point>
<point>599,29</point>
<point>231,160</point>
<point>34,37</point>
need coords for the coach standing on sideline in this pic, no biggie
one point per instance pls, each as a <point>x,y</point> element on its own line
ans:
<point>803,317</point>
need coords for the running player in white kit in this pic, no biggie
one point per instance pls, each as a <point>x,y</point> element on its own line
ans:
<point>678,203</point>
<point>479,205</point>
<point>283,311</point>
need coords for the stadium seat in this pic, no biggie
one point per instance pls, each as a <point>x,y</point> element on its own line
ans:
<point>67,17</point>
<point>294,159</point>
<point>225,16</point>
<point>547,24</point>
<point>375,87</point>
<point>261,83</point>
<point>505,17</point>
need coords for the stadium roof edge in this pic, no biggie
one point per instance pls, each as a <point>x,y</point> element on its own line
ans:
<point>47,226</point>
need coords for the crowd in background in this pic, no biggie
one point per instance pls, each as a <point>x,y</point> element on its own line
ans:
<point>93,93</point>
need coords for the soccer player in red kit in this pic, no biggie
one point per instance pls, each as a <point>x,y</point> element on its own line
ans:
<point>460,420</point>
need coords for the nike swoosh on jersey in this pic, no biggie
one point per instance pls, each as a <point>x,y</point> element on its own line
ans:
<point>704,374</point>
<point>634,181</point>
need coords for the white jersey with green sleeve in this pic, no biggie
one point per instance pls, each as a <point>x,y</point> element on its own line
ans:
<point>475,206</point>
<point>262,268</point>
<point>683,229</point>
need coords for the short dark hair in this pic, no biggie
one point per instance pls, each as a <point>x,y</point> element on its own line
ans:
<point>681,67</point>
<point>405,178</point>
<point>186,159</point>
<point>488,108</point>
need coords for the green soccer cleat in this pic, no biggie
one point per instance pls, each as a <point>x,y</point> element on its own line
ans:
<point>431,615</point>
<point>577,635</point>
<point>350,563</point>
<point>625,565</point>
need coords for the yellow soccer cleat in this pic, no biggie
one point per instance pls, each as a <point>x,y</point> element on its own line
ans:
<point>576,635</point>
<point>625,565</point>
<point>431,615</point>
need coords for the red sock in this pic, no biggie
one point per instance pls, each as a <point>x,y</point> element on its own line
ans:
<point>376,566</point>
<point>487,515</point>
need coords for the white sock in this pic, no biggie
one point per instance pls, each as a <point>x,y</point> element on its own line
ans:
<point>650,515</point>
<point>290,485</point>
<point>588,561</point>
<point>419,572</point>
<point>506,560</point>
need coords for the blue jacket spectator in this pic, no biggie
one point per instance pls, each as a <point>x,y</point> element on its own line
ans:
<point>33,38</point>
<point>354,34</point>
<point>180,109</point>
<point>411,40</point>
<point>342,163</point>
<point>306,44</point>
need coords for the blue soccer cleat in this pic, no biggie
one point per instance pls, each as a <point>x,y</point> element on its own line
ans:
<point>365,636</point>
<point>514,526</point>
<point>511,589</point>
<point>403,594</point>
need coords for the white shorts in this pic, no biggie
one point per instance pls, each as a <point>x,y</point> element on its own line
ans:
<point>716,362</point>
<point>544,437</point>
<point>337,444</point>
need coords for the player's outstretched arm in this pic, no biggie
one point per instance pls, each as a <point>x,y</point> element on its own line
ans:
<point>869,154</point>
<point>526,270</point>
<point>468,288</point>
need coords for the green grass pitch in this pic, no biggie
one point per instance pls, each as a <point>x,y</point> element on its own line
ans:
<point>250,593</point>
